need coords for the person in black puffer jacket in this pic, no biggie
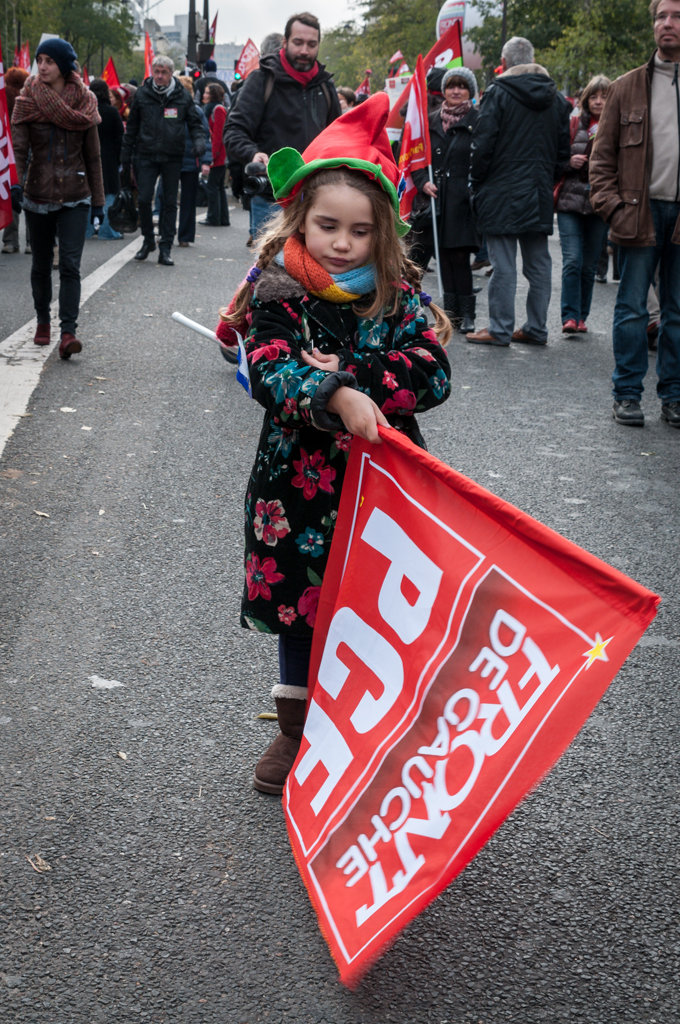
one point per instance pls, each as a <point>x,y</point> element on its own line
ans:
<point>582,232</point>
<point>155,132</point>
<point>451,127</point>
<point>520,147</point>
<point>111,133</point>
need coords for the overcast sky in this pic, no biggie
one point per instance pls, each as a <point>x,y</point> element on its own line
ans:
<point>238,22</point>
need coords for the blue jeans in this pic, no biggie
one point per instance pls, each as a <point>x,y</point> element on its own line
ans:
<point>261,210</point>
<point>294,655</point>
<point>105,229</point>
<point>637,266</point>
<point>581,238</point>
<point>536,267</point>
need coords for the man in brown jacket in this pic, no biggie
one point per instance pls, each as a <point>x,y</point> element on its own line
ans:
<point>635,186</point>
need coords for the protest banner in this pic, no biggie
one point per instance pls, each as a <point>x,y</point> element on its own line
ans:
<point>415,151</point>
<point>110,75</point>
<point>249,59</point>
<point>447,52</point>
<point>148,55</point>
<point>460,645</point>
<point>8,169</point>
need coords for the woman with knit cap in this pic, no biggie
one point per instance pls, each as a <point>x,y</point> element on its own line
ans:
<point>451,127</point>
<point>55,119</point>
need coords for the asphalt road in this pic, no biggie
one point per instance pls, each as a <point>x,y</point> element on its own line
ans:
<point>170,893</point>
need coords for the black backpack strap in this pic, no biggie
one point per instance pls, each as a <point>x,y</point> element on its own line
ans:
<point>269,87</point>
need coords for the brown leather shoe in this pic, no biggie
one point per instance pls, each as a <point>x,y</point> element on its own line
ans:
<point>484,338</point>
<point>271,771</point>
<point>69,345</point>
<point>42,335</point>
<point>527,339</point>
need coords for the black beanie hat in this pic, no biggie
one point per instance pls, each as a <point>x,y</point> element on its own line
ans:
<point>61,52</point>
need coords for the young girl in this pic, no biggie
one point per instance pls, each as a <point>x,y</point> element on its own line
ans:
<point>338,344</point>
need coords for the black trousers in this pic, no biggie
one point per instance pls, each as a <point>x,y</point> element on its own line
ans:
<point>218,205</point>
<point>186,231</point>
<point>149,171</point>
<point>67,227</point>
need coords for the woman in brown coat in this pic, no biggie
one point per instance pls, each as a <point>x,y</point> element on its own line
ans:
<point>55,118</point>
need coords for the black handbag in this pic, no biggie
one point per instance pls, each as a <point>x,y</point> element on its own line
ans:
<point>122,212</point>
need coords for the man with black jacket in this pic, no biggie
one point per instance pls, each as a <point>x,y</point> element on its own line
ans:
<point>155,135</point>
<point>520,147</point>
<point>288,101</point>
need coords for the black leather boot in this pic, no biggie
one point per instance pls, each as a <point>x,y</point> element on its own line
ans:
<point>165,259</point>
<point>148,245</point>
<point>452,308</point>
<point>467,305</point>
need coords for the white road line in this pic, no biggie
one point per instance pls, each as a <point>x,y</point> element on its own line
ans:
<point>22,362</point>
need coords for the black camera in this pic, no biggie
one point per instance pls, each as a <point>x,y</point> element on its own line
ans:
<point>256,182</point>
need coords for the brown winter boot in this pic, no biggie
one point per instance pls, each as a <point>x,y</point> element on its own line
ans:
<point>69,345</point>
<point>271,771</point>
<point>42,335</point>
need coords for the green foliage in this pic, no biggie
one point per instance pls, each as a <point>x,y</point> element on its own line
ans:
<point>608,38</point>
<point>574,39</point>
<point>88,25</point>
<point>388,26</point>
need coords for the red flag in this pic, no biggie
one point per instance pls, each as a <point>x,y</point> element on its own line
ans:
<point>459,647</point>
<point>213,29</point>
<point>415,143</point>
<point>148,55</point>
<point>248,53</point>
<point>17,58</point>
<point>447,52</point>
<point>110,75</point>
<point>25,57</point>
<point>397,56</point>
<point>85,76</point>
<point>365,87</point>
<point>403,69</point>
<point>8,170</point>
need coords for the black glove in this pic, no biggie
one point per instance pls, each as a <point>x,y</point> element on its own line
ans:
<point>198,149</point>
<point>17,194</point>
<point>97,212</point>
<point>125,175</point>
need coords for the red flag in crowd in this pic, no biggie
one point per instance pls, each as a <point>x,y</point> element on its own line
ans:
<point>213,29</point>
<point>110,75</point>
<point>17,58</point>
<point>459,647</point>
<point>148,55</point>
<point>447,52</point>
<point>8,170</point>
<point>85,76</point>
<point>248,54</point>
<point>397,56</point>
<point>365,87</point>
<point>403,69</point>
<point>415,143</point>
<point>22,57</point>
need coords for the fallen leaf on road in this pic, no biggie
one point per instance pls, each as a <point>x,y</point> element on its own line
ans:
<point>104,684</point>
<point>38,864</point>
<point>122,755</point>
<point>44,515</point>
<point>101,378</point>
<point>11,474</point>
<point>66,408</point>
<point>51,818</point>
<point>270,716</point>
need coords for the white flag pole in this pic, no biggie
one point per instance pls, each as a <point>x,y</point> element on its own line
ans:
<point>193,326</point>
<point>436,239</point>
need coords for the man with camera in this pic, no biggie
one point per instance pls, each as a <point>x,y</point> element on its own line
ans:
<point>288,101</point>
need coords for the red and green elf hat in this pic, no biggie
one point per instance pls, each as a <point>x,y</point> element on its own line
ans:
<point>361,133</point>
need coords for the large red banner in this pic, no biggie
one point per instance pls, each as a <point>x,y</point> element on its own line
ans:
<point>8,167</point>
<point>460,645</point>
<point>248,60</point>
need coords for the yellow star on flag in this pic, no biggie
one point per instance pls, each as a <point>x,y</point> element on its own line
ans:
<point>598,652</point>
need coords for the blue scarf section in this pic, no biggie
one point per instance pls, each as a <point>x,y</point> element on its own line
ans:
<point>360,281</point>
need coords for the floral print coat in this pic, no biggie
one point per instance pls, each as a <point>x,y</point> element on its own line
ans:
<point>294,487</point>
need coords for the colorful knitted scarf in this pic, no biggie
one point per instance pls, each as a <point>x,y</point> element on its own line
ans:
<point>75,109</point>
<point>347,287</point>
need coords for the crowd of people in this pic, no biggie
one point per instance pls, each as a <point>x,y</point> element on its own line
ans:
<point>339,338</point>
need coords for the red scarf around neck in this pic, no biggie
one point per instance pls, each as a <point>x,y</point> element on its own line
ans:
<point>303,77</point>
